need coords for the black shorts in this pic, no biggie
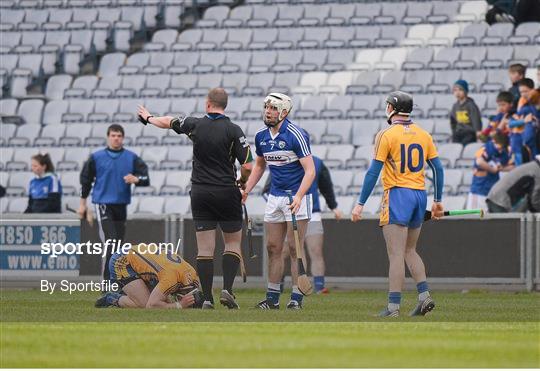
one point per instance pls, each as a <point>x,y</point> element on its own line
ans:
<point>213,205</point>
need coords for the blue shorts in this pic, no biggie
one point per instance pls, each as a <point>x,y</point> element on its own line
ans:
<point>403,206</point>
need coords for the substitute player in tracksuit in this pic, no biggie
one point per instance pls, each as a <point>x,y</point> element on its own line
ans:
<point>112,171</point>
<point>403,149</point>
<point>284,147</point>
<point>315,232</point>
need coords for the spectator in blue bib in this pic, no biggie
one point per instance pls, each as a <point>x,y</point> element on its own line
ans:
<point>45,191</point>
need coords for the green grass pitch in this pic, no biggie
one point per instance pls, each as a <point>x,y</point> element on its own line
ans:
<point>477,329</point>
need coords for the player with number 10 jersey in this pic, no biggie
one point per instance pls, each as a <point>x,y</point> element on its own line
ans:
<point>404,148</point>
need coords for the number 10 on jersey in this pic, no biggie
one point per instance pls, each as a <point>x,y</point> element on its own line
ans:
<point>407,154</point>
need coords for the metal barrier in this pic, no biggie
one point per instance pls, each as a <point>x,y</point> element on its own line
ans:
<point>501,251</point>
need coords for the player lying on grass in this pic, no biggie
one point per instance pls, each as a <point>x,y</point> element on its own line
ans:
<point>150,280</point>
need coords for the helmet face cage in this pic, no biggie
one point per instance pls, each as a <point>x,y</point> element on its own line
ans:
<point>281,102</point>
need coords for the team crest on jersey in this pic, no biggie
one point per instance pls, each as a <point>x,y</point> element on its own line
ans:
<point>281,144</point>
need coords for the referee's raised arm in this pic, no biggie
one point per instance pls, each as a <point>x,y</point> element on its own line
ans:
<point>215,195</point>
<point>145,117</point>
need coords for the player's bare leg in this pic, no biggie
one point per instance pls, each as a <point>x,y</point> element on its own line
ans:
<point>413,260</point>
<point>134,295</point>
<point>232,256</point>
<point>137,293</point>
<point>396,240</point>
<point>206,244</point>
<point>418,273</point>
<point>275,238</point>
<point>296,295</point>
<point>314,245</point>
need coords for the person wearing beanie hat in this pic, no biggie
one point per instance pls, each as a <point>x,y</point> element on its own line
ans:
<point>465,118</point>
<point>464,85</point>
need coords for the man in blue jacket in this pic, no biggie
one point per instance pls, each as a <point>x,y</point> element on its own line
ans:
<point>112,171</point>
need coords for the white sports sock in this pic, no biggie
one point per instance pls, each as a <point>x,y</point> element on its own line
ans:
<point>273,286</point>
<point>392,307</point>
<point>295,290</point>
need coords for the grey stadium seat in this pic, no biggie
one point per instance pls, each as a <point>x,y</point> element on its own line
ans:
<point>497,34</point>
<point>418,58</point>
<point>151,204</point>
<point>56,86</point>
<point>289,15</point>
<point>525,33</point>
<point>30,110</point>
<point>238,16</point>
<point>26,134</point>
<point>76,134</point>
<point>338,155</point>
<point>178,205</point>
<point>363,132</point>
<point>449,153</point>
<point>262,16</point>
<point>338,106</point>
<point>340,14</point>
<point>177,182</point>
<point>341,179</point>
<point>237,39</point>
<point>471,34</point>
<point>445,35</point>
<point>364,106</point>
<point>214,16</point>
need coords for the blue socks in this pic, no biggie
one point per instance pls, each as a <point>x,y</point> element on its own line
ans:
<point>272,293</point>
<point>296,294</point>
<point>423,290</point>
<point>318,282</point>
<point>394,300</point>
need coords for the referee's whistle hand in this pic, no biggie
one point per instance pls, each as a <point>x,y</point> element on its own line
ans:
<point>356,213</point>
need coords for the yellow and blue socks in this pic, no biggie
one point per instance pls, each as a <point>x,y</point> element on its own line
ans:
<point>394,300</point>
<point>423,290</point>
<point>318,282</point>
<point>272,293</point>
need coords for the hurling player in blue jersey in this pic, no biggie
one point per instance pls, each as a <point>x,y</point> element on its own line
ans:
<point>284,147</point>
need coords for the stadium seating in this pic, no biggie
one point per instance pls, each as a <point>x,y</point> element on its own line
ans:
<point>336,58</point>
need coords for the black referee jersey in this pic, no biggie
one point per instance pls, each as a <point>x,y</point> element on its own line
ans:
<point>217,144</point>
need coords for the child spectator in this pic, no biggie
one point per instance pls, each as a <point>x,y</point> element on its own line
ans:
<point>45,191</point>
<point>491,159</point>
<point>524,124</point>
<point>465,118</point>
<point>516,72</point>
<point>499,122</point>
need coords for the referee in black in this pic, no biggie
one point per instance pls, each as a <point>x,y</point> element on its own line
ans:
<point>215,197</point>
<point>110,172</point>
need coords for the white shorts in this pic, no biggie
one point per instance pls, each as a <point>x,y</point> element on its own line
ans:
<point>315,225</point>
<point>277,209</point>
<point>475,201</point>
